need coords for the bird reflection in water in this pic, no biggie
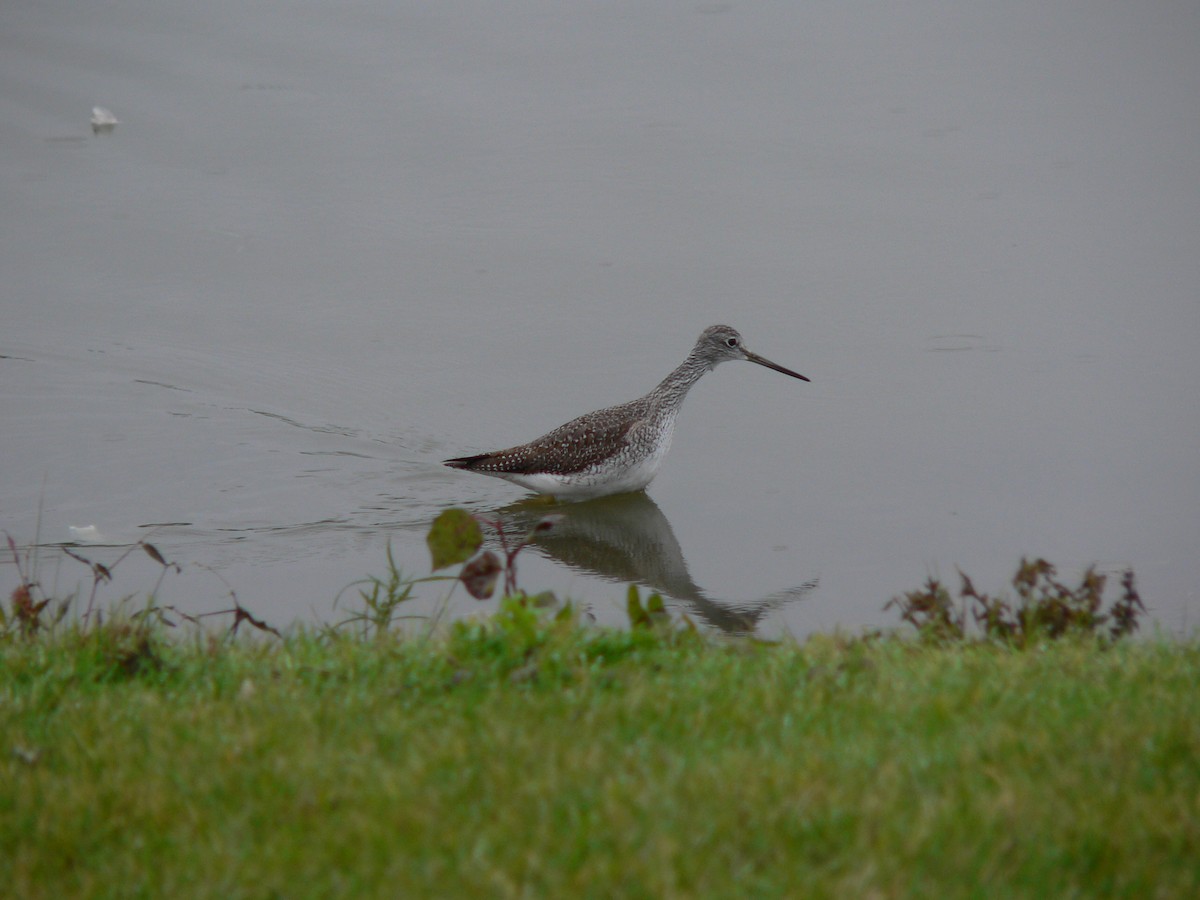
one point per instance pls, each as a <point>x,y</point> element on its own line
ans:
<point>626,539</point>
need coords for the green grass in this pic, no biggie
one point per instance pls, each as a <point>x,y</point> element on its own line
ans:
<point>531,757</point>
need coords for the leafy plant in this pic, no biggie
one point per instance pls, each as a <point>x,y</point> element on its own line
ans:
<point>454,538</point>
<point>932,612</point>
<point>32,611</point>
<point>652,615</point>
<point>1045,608</point>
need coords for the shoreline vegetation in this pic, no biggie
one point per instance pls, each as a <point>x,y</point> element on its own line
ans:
<point>1003,746</point>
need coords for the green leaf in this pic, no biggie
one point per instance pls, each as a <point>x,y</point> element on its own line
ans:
<point>656,610</point>
<point>453,538</point>
<point>638,617</point>
<point>544,600</point>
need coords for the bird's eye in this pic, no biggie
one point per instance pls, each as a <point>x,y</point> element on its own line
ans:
<point>731,342</point>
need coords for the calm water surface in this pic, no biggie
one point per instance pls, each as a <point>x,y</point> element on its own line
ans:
<point>330,244</point>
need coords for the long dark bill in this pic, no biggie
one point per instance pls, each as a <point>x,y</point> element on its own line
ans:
<point>762,361</point>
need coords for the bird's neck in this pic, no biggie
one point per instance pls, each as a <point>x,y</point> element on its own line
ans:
<point>672,389</point>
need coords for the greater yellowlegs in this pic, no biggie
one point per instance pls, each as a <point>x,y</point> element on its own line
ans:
<point>618,449</point>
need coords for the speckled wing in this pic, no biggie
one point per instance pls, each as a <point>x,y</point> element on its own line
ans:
<point>578,445</point>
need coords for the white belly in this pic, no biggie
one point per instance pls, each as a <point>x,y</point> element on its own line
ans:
<point>599,481</point>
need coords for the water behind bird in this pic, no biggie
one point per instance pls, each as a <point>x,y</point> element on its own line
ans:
<point>250,323</point>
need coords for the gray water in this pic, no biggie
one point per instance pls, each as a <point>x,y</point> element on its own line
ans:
<point>330,244</point>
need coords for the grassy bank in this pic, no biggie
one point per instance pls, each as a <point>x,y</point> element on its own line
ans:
<point>524,757</point>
